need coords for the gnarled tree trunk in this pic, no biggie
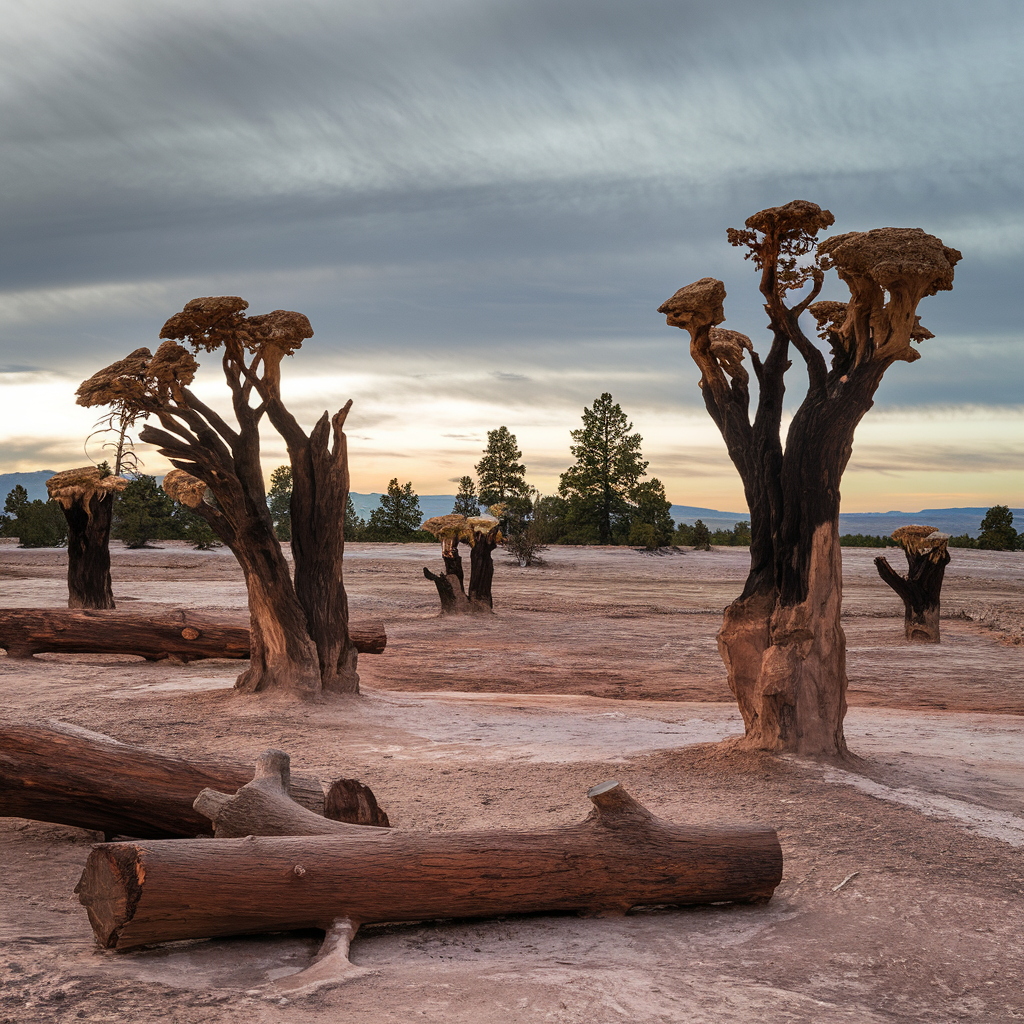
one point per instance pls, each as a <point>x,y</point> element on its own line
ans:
<point>927,558</point>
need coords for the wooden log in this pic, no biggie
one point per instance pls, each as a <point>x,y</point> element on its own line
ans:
<point>620,857</point>
<point>264,807</point>
<point>178,634</point>
<point>75,777</point>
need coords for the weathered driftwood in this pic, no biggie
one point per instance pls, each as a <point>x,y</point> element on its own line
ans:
<point>86,497</point>
<point>264,807</point>
<point>927,558</point>
<point>76,777</point>
<point>621,856</point>
<point>176,634</point>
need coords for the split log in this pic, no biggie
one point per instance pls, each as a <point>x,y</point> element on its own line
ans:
<point>178,635</point>
<point>620,857</point>
<point>75,777</point>
<point>927,558</point>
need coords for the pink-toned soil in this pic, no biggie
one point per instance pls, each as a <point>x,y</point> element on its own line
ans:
<point>506,721</point>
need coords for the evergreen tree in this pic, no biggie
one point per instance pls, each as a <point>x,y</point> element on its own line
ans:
<point>143,512</point>
<point>701,536</point>
<point>466,502</point>
<point>36,524</point>
<point>501,475</point>
<point>192,527</point>
<point>651,524</point>
<point>355,525</point>
<point>608,467</point>
<point>398,516</point>
<point>997,532</point>
<point>279,501</point>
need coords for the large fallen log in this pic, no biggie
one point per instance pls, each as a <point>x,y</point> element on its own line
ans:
<point>74,777</point>
<point>620,857</point>
<point>177,634</point>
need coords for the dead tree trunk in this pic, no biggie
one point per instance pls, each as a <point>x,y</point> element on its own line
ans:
<point>449,590</point>
<point>919,590</point>
<point>481,567</point>
<point>782,640</point>
<point>482,533</point>
<point>620,857</point>
<point>75,777</point>
<point>177,634</point>
<point>264,806</point>
<point>86,497</point>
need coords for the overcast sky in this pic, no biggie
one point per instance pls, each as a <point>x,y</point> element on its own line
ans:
<point>481,203</point>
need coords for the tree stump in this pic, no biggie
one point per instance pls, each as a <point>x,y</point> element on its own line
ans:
<point>927,557</point>
<point>484,535</point>
<point>87,499</point>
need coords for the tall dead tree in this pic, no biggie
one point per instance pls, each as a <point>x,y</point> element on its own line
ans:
<point>483,533</point>
<point>87,499</point>
<point>782,641</point>
<point>299,630</point>
<point>927,558</point>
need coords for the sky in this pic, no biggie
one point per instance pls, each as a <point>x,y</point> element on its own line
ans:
<point>480,204</point>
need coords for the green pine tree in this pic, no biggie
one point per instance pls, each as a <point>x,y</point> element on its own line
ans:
<point>279,501</point>
<point>398,517</point>
<point>143,512</point>
<point>466,501</point>
<point>997,531</point>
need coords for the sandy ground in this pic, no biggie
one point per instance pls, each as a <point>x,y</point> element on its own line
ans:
<point>903,891</point>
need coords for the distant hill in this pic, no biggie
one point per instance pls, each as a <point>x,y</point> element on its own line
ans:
<point>948,520</point>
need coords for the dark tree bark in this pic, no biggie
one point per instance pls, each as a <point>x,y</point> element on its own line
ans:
<point>86,497</point>
<point>782,640</point>
<point>481,567</point>
<point>177,634</point>
<point>920,589</point>
<point>75,777</point>
<point>483,534</point>
<point>620,857</point>
<point>299,632</point>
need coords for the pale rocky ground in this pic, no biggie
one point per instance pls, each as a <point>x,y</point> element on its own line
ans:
<point>600,664</point>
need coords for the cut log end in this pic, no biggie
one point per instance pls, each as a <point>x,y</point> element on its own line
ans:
<point>110,889</point>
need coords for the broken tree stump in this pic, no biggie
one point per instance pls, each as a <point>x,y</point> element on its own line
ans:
<point>927,557</point>
<point>264,806</point>
<point>620,857</point>
<point>76,777</point>
<point>86,497</point>
<point>483,535</point>
<point>178,634</point>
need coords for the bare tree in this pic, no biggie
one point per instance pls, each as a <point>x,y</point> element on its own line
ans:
<point>299,631</point>
<point>782,641</point>
<point>927,557</point>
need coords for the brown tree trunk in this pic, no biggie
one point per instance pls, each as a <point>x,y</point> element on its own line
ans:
<point>89,517</point>
<point>449,590</point>
<point>620,857</point>
<point>178,634</point>
<point>481,569</point>
<point>919,591</point>
<point>74,777</point>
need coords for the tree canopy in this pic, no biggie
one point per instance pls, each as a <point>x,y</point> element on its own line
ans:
<point>997,530</point>
<point>500,474</point>
<point>398,516</point>
<point>466,501</point>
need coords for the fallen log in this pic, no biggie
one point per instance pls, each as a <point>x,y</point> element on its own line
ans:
<point>620,857</point>
<point>179,635</point>
<point>74,777</point>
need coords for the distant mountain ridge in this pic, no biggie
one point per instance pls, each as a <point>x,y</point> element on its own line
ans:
<point>948,520</point>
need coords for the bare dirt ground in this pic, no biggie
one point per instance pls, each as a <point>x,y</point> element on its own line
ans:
<point>903,890</point>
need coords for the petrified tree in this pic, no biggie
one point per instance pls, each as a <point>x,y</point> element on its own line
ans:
<point>179,634</point>
<point>300,639</point>
<point>483,533</point>
<point>782,641</point>
<point>927,558</point>
<point>621,856</point>
<point>76,777</point>
<point>87,499</point>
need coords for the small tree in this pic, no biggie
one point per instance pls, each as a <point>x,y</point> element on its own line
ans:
<point>651,524</point>
<point>143,512</point>
<point>190,526</point>
<point>997,531</point>
<point>279,501</point>
<point>355,525</point>
<point>36,524</point>
<point>608,468</point>
<point>700,536</point>
<point>500,473</point>
<point>299,638</point>
<point>782,639</point>
<point>398,516</point>
<point>466,501</point>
